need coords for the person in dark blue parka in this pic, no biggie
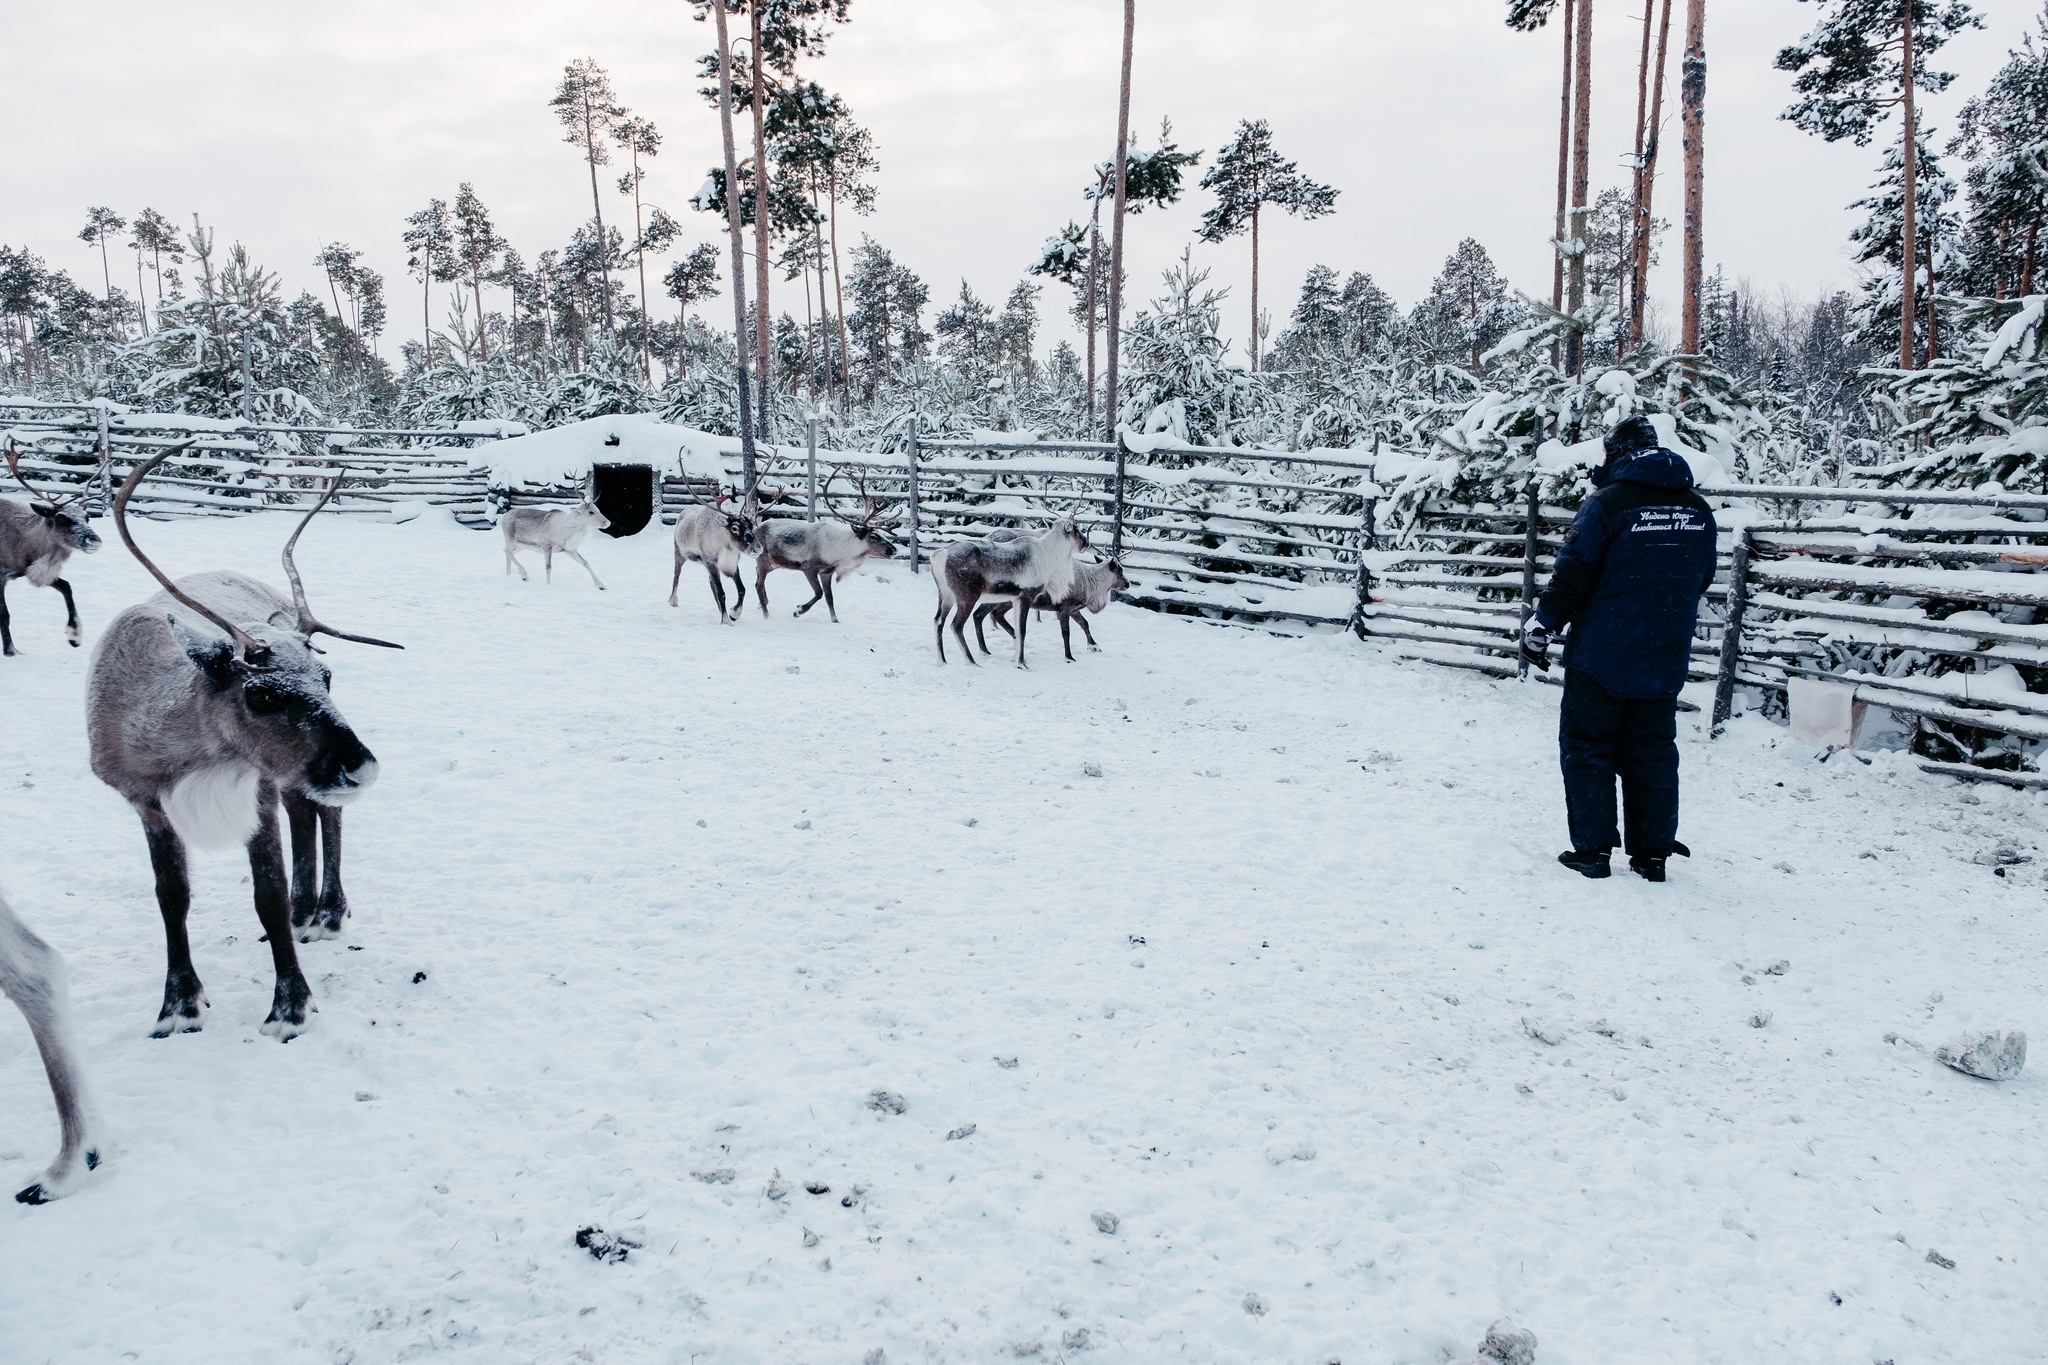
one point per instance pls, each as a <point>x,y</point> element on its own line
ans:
<point>1627,587</point>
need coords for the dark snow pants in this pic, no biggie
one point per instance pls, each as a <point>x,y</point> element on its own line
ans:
<point>1601,737</point>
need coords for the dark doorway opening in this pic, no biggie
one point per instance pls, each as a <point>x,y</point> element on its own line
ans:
<point>625,494</point>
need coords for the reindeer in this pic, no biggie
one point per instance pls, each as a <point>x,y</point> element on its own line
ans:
<point>714,536</point>
<point>205,726</point>
<point>34,543</point>
<point>1019,568</point>
<point>32,976</point>
<point>1091,589</point>
<point>549,529</point>
<point>823,551</point>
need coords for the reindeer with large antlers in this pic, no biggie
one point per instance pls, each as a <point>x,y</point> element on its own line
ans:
<point>34,543</point>
<point>714,535</point>
<point>1021,567</point>
<point>207,707</point>
<point>824,551</point>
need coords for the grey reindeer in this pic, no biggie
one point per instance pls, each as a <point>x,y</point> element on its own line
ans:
<point>32,976</point>
<point>823,551</point>
<point>549,529</point>
<point>205,726</point>
<point>35,541</point>
<point>715,536</point>
<point>1019,569</point>
<point>1090,592</point>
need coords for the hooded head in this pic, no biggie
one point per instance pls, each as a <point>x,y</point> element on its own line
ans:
<point>1636,454</point>
<point>1631,436</point>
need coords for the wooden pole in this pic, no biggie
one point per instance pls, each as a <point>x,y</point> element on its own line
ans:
<point>1909,252</point>
<point>750,478</point>
<point>1731,631</point>
<point>1692,94</point>
<point>1636,228</point>
<point>248,380</point>
<point>1645,218</point>
<point>811,469</point>
<point>1116,231</point>
<point>1368,541</point>
<point>1530,538</point>
<point>1582,171</point>
<point>911,460</point>
<point>106,474</point>
<point>1116,535</point>
<point>1564,163</point>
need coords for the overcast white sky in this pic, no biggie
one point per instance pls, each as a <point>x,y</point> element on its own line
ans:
<point>289,125</point>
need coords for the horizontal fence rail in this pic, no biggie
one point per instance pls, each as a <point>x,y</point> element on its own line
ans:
<point>1924,601</point>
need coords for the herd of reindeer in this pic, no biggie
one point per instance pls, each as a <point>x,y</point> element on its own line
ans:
<point>208,727</point>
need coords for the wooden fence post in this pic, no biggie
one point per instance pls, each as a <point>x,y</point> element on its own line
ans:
<point>1731,631</point>
<point>1368,541</point>
<point>811,469</point>
<point>1529,548</point>
<point>1116,533</point>
<point>105,476</point>
<point>911,458</point>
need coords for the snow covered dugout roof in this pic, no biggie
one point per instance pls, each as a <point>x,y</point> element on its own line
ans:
<point>564,455</point>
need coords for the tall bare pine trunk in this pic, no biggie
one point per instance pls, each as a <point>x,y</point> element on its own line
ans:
<point>749,475</point>
<point>1116,230</point>
<point>1582,168</point>
<point>1692,95</point>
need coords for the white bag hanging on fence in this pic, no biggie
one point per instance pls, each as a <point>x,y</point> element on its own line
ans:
<point>1826,715</point>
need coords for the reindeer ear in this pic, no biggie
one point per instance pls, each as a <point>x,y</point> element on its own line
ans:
<point>44,510</point>
<point>213,656</point>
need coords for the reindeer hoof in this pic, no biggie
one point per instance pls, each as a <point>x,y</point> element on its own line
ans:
<point>289,1009</point>
<point>34,1194</point>
<point>190,1018</point>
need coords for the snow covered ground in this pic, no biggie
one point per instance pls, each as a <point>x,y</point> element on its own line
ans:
<point>646,909</point>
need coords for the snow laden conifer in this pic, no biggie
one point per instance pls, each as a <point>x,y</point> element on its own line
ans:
<point>1178,382</point>
<point>193,361</point>
<point>1249,176</point>
<point>1984,411</point>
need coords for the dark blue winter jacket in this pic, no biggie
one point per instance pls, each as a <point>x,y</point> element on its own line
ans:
<point>1630,575</point>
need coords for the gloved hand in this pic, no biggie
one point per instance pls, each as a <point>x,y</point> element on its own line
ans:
<point>1536,644</point>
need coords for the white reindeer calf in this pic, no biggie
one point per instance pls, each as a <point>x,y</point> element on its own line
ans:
<point>549,529</point>
<point>32,976</point>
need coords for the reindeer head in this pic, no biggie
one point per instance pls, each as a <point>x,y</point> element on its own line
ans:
<point>738,524</point>
<point>1117,580</point>
<point>587,513</point>
<point>265,684</point>
<point>868,525</point>
<point>64,516</point>
<point>1065,528</point>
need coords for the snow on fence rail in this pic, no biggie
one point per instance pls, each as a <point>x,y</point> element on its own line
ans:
<point>1921,600</point>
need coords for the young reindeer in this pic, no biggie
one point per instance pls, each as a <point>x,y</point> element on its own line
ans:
<point>34,543</point>
<point>205,726</point>
<point>1020,568</point>
<point>1090,592</point>
<point>822,551</point>
<point>715,536</point>
<point>32,976</point>
<point>549,529</point>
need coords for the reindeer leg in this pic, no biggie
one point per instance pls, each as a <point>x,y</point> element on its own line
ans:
<point>184,1008</point>
<point>71,630</point>
<point>740,604</point>
<point>512,562</point>
<point>292,997</point>
<point>577,555</point>
<point>939,623</point>
<point>673,583</point>
<point>964,606</point>
<point>761,568</point>
<point>300,815</point>
<point>817,590</point>
<point>333,900</point>
<point>547,554</point>
<point>717,589</point>
<point>1067,635</point>
<point>1023,620</point>
<point>32,975</point>
<point>831,607</point>
<point>7,649</point>
<point>1093,648</point>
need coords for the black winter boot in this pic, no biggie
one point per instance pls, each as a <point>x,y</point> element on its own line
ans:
<point>1649,868</point>
<point>1592,865</point>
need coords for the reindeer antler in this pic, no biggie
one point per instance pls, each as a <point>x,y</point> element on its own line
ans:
<point>309,624</point>
<point>14,468</point>
<point>253,652</point>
